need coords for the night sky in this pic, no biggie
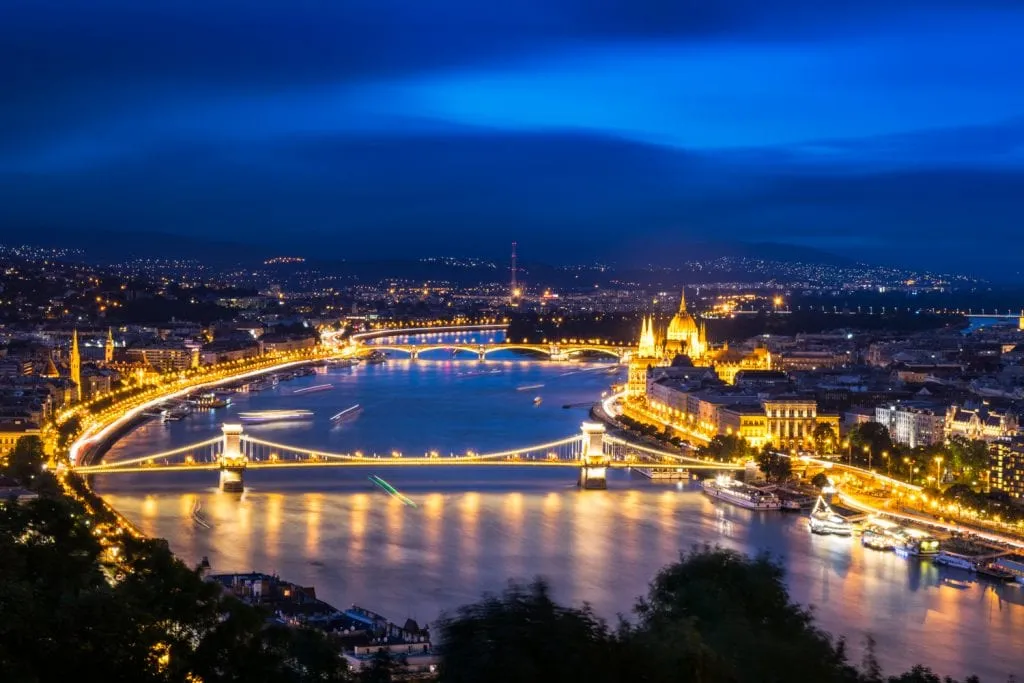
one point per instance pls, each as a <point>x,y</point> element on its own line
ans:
<point>609,129</point>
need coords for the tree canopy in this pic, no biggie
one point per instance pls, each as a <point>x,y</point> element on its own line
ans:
<point>715,616</point>
<point>727,448</point>
<point>776,467</point>
<point>79,595</point>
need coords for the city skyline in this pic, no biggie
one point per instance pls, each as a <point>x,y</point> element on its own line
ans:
<point>888,134</point>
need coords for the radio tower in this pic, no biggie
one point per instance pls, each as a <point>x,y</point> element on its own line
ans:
<point>515,292</point>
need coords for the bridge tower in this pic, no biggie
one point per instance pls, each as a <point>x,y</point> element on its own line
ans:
<point>594,462</point>
<point>232,461</point>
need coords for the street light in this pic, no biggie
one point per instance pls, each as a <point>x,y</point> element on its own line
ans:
<point>867,452</point>
<point>938,469</point>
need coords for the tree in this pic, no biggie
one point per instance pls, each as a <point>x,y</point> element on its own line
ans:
<point>522,636</point>
<point>383,668</point>
<point>26,460</point>
<point>821,480</point>
<point>871,435</point>
<point>967,455</point>
<point>67,431</point>
<point>825,438</point>
<point>775,466</point>
<point>138,615</point>
<point>726,448</point>
<point>742,617</point>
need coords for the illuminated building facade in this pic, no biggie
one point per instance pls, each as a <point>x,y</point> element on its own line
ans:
<point>1007,467</point>
<point>981,422</point>
<point>913,424</point>
<point>791,421</point>
<point>684,337</point>
<point>646,357</point>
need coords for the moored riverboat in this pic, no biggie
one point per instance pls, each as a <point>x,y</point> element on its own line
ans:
<point>915,543</point>
<point>948,558</point>
<point>738,493</point>
<point>825,521</point>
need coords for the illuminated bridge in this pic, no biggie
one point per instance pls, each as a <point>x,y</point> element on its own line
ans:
<point>481,351</point>
<point>592,452</point>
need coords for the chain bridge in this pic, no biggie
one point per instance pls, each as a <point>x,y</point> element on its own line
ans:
<point>592,452</point>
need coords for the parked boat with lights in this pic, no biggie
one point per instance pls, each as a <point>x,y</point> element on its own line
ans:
<point>948,558</point>
<point>1013,564</point>
<point>915,543</point>
<point>738,493</point>
<point>825,521</point>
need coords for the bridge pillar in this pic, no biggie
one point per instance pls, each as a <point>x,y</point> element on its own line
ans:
<point>413,354</point>
<point>593,462</point>
<point>232,461</point>
<point>481,353</point>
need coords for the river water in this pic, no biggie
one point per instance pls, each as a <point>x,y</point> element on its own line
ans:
<point>474,528</point>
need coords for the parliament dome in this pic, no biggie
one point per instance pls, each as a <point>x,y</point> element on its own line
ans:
<point>683,325</point>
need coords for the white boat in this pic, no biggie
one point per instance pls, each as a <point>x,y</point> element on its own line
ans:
<point>738,493</point>
<point>914,543</point>
<point>955,560</point>
<point>275,415</point>
<point>313,389</point>
<point>824,521</point>
<point>349,412</point>
<point>878,534</point>
<point>527,387</point>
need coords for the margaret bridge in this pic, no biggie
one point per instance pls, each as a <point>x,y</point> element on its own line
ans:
<point>592,452</point>
<point>361,343</point>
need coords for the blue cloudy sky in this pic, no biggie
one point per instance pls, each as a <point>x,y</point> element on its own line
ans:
<point>882,129</point>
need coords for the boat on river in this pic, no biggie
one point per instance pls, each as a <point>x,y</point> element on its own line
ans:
<point>258,416</point>
<point>948,558</point>
<point>915,543</point>
<point>991,570</point>
<point>1013,564</point>
<point>346,414</point>
<point>738,493</point>
<point>825,521</point>
<point>314,389</point>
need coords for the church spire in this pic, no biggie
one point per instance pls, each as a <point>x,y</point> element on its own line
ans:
<point>108,349</point>
<point>647,347</point>
<point>76,365</point>
<point>682,301</point>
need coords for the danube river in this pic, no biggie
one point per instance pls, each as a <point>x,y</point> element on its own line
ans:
<point>472,529</point>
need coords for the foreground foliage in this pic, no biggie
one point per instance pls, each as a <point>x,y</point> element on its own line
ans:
<point>80,597</point>
<point>715,616</point>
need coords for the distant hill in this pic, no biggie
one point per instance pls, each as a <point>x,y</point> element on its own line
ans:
<point>103,245</point>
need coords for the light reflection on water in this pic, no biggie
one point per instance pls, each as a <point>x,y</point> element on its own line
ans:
<point>599,547</point>
<point>473,529</point>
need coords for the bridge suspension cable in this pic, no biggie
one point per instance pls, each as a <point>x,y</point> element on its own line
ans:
<point>613,442</point>
<point>99,467</point>
<point>468,457</point>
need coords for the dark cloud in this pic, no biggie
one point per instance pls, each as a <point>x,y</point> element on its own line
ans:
<point>472,194</point>
<point>564,123</point>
